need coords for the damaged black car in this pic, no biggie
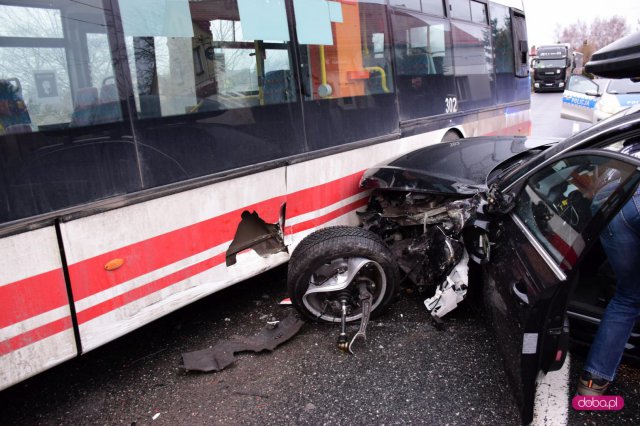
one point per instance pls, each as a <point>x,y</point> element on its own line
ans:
<point>528,211</point>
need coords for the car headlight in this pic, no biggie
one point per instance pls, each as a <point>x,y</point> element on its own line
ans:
<point>608,105</point>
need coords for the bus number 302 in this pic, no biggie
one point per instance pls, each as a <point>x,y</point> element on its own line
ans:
<point>451,105</point>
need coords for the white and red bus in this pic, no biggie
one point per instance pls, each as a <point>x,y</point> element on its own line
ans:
<point>153,152</point>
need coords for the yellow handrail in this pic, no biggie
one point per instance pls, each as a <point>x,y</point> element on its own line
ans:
<point>383,77</point>
<point>323,67</point>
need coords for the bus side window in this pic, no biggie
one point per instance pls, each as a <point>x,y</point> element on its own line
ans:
<point>213,84</point>
<point>345,71</point>
<point>343,49</point>
<point>55,57</point>
<point>473,65</point>
<point>424,61</point>
<point>218,58</point>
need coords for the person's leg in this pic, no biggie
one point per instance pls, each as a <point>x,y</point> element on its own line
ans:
<point>621,241</point>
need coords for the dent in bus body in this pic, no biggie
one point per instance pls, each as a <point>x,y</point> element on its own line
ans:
<point>255,234</point>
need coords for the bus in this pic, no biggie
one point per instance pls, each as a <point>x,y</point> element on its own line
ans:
<point>153,152</point>
<point>553,66</point>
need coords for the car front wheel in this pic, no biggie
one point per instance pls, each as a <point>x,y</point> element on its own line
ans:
<point>331,266</point>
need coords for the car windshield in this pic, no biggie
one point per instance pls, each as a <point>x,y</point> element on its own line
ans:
<point>623,86</point>
<point>550,63</point>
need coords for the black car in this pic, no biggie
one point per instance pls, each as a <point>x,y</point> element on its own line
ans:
<point>528,211</point>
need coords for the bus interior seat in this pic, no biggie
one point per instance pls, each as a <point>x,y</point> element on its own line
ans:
<point>93,109</point>
<point>108,93</point>
<point>418,63</point>
<point>14,115</point>
<point>86,99</point>
<point>278,87</point>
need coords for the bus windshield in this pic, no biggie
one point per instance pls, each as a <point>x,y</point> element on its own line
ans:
<point>549,63</point>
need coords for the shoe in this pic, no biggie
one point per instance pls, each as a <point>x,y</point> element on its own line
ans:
<point>590,385</point>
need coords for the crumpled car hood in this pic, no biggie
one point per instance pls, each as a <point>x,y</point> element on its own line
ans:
<point>458,167</point>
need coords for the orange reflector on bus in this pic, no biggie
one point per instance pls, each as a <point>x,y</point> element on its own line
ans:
<point>113,264</point>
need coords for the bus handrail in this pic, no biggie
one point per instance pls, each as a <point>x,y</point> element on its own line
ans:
<point>383,77</point>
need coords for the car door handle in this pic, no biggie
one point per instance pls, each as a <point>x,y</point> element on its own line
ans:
<point>520,295</point>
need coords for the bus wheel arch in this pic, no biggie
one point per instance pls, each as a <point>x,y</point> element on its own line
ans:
<point>452,135</point>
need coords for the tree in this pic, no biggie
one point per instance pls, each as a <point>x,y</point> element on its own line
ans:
<point>588,39</point>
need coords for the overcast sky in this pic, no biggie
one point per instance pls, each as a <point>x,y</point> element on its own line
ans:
<point>544,15</point>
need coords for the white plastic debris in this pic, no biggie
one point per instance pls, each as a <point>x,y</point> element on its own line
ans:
<point>155,416</point>
<point>452,291</point>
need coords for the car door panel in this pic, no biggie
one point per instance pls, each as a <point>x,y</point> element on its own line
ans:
<point>578,100</point>
<point>558,216</point>
<point>515,282</point>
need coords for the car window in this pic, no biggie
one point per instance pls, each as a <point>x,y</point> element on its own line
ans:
<point>623,86</point>
<point>581,85</point>
<point>560,202</point>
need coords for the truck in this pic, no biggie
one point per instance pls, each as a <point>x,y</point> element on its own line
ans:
<point>553,65</point>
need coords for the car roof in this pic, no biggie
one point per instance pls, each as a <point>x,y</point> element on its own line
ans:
<point>620,59</point>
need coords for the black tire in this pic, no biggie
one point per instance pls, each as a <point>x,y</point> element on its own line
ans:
<point>327,248</point>
<point>450,136</point>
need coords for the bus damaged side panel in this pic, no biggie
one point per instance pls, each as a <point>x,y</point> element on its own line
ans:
<point>132,265</point>
<point>36,330</point>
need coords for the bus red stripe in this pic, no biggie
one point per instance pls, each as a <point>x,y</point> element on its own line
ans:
<point>520,129</point>
<point>318,197</point>
<point>147,289</point>
<point>183,274</point>
<point>33,336</point>
<point>88,277</point>
<point>39,294</point>
<point>32,296</point>
<point>303,226</point>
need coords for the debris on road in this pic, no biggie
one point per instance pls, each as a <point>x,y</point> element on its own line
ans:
<point>221,355</point>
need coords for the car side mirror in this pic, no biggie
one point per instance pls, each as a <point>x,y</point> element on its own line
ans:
<point>592,93</point>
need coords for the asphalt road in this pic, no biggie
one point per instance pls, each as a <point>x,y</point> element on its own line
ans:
<point>545,116</point>
<point>406,373</point>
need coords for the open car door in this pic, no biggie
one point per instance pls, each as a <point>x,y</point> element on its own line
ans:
<point>559,213</point>
<point>579,99</point>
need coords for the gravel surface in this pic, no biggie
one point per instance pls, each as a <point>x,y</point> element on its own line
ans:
<point>407,372</point>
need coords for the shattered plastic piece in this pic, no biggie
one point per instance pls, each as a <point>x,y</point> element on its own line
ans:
<point>222,354</point>
<point>155,416</point>
<point>452,291</point>
<point>286,301</point>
